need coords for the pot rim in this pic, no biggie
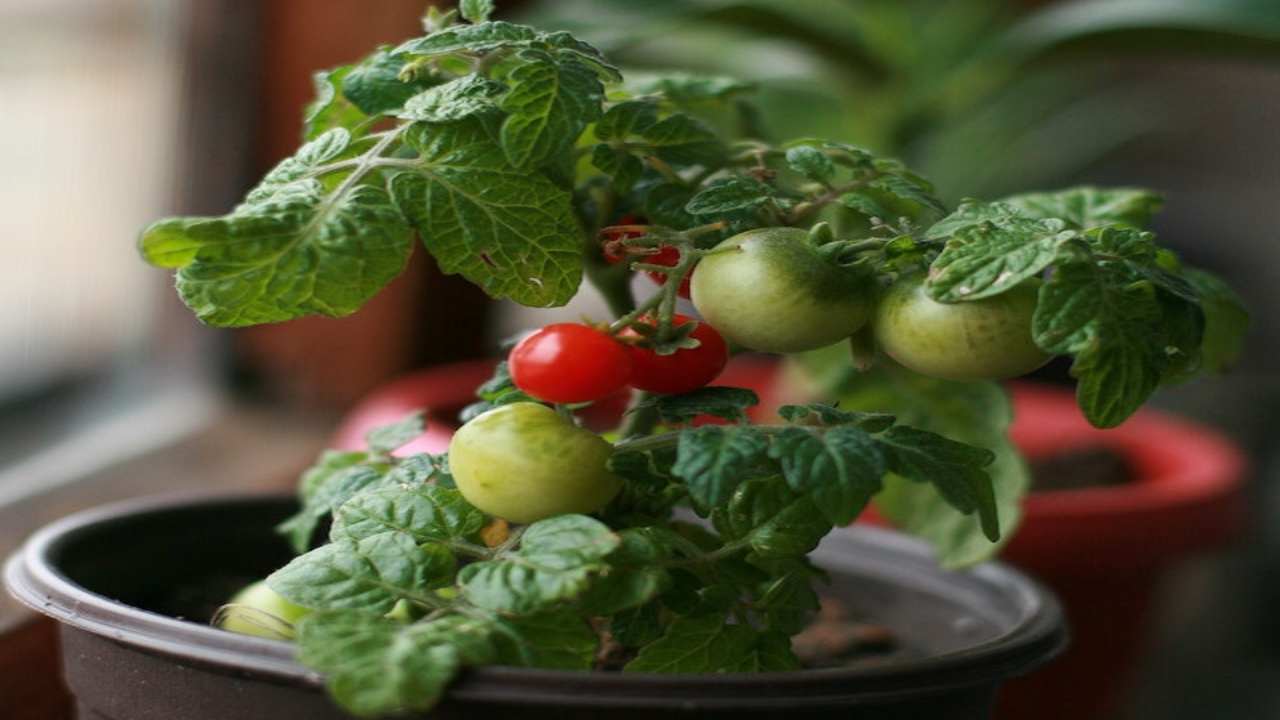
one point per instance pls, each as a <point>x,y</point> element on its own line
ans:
<point>1039,634</point>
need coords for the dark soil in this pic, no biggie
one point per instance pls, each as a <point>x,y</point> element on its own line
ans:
<point>1080,468</point>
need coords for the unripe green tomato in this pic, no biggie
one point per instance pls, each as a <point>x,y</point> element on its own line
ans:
<point>987,339</point>
<point>259,610</point>
<point>523,462</point>
<point>770,290</point>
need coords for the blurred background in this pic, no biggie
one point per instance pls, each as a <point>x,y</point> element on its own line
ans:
<point>115,112</point>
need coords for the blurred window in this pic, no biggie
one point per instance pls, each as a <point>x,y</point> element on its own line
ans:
<point>89,113</point>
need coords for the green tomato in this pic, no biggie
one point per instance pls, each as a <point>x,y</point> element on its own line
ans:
<point>259,610</point>
<point>524,462</point>
<point>987,339</point>
<point>771,290</point>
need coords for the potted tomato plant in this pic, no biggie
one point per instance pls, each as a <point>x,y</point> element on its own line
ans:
<point>686,559</point>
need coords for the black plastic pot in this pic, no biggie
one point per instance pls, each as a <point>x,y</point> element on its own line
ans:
<point>119,579</point>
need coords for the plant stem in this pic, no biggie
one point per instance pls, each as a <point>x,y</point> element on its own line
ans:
<point>639,421</point>
<point>626,320</point>
<point>801,212</point>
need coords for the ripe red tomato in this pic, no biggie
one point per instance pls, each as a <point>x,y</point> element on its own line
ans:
<point>569,363</point>
<point>684,370</point>
<point>666,255</point>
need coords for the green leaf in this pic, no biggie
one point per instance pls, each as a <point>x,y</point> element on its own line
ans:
<point>839,468</point>
<point>729,403</point>
<point>584,51</point>
<point>865,204</point>
<point>811,163</point>
<point>1225,320</point>
<point>301,250</point>
<point>664,205</point>
<point>371,574</point>
<point>634,576</point>
<point>772,519</point>
<point>426,513</point>
<point>713,459</point>
<point>557,560</point>
<point>420,468</point>
<point>1112,327</point>
<point>550,101</point>
<point>325,488</point>
<point>476,11</point>
<point>788,600</point>
<point>771,652</point>
<point>984,260</point>
<point>679,139</point>
<point>623,168</point>
<point>954,468</point>
<point>736,193</point>
<point>479,38</point>
<point>374,86</point>
<point>1089,207</point>
<point>825,415</point>
<point>464,97</point>
<point>559,640</point>
<point>978,413</point>
<point>386,438</point>
<point>330,109</point>
<point>685,89</point>
<point>377,667</point>
<point>910,189</point>
<point>510,232</point>
<point>637,627</point>
<point>973,213</point>
<point>696,645</point>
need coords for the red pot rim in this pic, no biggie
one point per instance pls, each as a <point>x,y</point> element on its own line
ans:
<point>1177,463</point>
<point>1186,496</point>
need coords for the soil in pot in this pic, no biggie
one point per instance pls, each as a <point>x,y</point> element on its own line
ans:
<point>1080,468</point>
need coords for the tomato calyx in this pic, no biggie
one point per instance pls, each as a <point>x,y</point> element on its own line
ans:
<point>672,368</point>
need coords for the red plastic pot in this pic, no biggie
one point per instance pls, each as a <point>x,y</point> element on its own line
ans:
<point>1104,550</point>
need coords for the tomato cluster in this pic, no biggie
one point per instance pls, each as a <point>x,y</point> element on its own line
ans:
<point>665,256</point>
<point>573,363</point>
<point>771,290</point>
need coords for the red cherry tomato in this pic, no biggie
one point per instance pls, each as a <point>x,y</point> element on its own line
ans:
<point>666,255</point>
<point>569,363</point>
<point>684,370</point>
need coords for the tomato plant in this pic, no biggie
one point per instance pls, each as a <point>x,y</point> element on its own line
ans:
<point>980,340</point>
<point>683,370</point>
<point>569,363</point>
<point>770,289</point>
<point>509,152</point>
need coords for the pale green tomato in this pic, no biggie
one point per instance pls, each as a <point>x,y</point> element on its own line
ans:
<point>259,610</point>
<point>523,462</point>
<point>987,339</point>
<point>770,290</point>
